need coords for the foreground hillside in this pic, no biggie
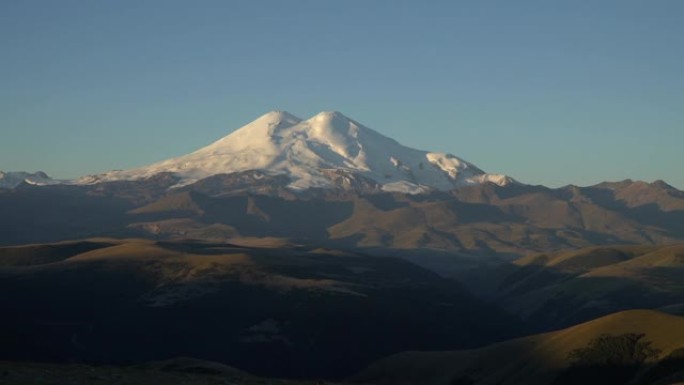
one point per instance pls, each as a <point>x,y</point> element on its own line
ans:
<point>181,371</point>
<point>607,356</point>
<point>274,310</point>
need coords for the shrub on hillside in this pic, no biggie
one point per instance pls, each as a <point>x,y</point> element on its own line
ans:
<point>668,366</point>
<point>608,359</point>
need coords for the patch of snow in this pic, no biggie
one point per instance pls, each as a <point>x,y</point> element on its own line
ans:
<point>406,188</point>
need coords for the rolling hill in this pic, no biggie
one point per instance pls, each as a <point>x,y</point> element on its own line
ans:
<point>559,289</point>
<point>549,359</point>
<point>278,310</point>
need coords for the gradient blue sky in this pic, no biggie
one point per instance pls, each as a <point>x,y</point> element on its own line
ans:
<point>549,92</point>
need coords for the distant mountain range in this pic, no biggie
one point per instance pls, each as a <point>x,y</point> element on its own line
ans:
<point>513,219</point>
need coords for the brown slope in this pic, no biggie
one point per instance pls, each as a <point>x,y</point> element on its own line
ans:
<point>29,255</point>
<point>274,311</point>
<point>182,228</point>
<point>178,371</point>
<point>515,219</point>
<point>182,203</point>
<point>635,194</point>
<point>559,209</point>
<point>404,226</point>
<point>41,214</point>
<point>557,289</point>
<point>486,218</point>
<point>536,359</point>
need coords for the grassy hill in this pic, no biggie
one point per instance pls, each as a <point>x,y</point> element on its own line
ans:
<point>273,310</point>
<point>179,371</point>
<point>564,288</point>
<point>541,359</point>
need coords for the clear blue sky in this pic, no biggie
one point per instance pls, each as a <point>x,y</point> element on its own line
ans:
<point>549,92</point>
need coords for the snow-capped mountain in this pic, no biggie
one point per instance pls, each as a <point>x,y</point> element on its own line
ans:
<point>326,150</point>
<point>12,179</point>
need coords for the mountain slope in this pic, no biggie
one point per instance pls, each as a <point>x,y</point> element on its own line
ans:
<point>559,289</point>
<point>537,359</point>
<point>275,311</point>
<point>483,219</point>
<point>327,150</point>
<point>176,371</point>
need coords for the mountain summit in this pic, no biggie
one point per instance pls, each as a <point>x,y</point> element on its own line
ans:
<point>328,150</point>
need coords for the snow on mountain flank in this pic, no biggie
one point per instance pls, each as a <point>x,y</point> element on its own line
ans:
<point>12,179</point>
<point>308,150</point>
